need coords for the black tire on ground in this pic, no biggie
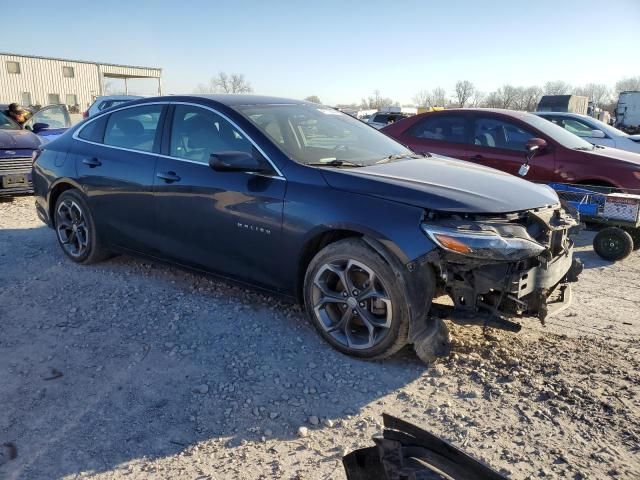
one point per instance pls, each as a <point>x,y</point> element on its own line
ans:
<point>434,342</point>
<point>613,244</point>
<point>336,321</point>
<point>75,229</point>
<point>635,236</point>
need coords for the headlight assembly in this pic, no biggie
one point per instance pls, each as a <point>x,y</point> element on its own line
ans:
<point>482,244</point>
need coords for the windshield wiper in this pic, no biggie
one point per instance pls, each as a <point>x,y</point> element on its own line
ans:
<point>335,163</point>
<point>399,156</point>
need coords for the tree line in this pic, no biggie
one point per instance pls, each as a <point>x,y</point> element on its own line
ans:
<point>464,94</point>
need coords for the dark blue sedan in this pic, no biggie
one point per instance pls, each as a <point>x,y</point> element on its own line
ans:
<point>18,144</point>
<point>304,201</point>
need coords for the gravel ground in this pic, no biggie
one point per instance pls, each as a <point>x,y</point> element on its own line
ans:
<point>130,369</point>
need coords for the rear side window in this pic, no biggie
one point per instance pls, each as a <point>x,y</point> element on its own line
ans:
<point>381,118</point>
<point>446,128</point>
<point>497,133</point>
<point>133,128</point>
<point>111,103</point>
<point>94,131</point>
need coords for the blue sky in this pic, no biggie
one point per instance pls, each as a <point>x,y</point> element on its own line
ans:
<point>340,50</point>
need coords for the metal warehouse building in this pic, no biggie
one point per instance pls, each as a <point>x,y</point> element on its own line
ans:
<point>31,80</point>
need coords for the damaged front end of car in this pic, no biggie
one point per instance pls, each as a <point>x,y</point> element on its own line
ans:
<point>499,267</point>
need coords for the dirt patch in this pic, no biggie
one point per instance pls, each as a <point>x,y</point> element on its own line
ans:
<point>138,370</point>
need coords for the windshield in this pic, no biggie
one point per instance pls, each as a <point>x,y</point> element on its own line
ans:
<point>608,129</point>
<point>317,135</point>
<point>7,124</point>
<point>559,134</point>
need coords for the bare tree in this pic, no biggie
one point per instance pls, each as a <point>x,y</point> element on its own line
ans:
<point>628,84</point>
<point>421,99</point>
<point>377,101</point>
<point>477,99</point>
<point>313,99</point>
<point>225,83</point>
<point>438,97</point>
<point>464,91</point>
<point>597,92</point>
<point>557,87</point>
<point>508,96</point>
<point>529,98</point>
<point>431,98</point>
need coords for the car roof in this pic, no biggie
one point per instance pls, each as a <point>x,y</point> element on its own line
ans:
<point>564,114</point>
<point>502,111</point>
<point>118,97</point>
<point>232,100</point>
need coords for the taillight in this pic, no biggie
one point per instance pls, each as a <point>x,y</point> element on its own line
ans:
<point>34,155</point>
<point>85,114</point>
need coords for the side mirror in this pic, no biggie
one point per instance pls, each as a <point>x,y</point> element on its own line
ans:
<point>38,127</point>
<point>597,134</point>
<point>236,162</point>
<point>535,145</point>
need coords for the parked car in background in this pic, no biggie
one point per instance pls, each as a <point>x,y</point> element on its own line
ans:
<point>387,115</point>
<point>310,203</point>
<point>18,144</point>
<point>594,131</point>
<point>628,112</point>
<point>107,101</point>
<point>498,139</point>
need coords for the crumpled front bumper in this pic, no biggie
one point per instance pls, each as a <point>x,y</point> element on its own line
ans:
<point>497,292</point>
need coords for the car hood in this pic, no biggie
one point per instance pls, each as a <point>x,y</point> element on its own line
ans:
<point>445,184</point>
<point>630,158</point>
<point>18,139</point>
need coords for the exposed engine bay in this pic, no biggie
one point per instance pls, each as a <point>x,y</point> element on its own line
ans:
<point>510,265</point>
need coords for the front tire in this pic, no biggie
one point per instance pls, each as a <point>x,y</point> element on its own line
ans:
<point>75,229</point>
<point>355,301</point>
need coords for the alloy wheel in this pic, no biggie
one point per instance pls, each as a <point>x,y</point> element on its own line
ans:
<point>351,304</point>
<point>72,228</point>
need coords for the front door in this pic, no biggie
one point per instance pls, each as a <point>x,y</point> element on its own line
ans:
<point>116,159</point>
<point>227,222</point>
<point>501,144</point>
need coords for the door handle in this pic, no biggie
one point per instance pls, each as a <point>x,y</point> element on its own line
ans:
<point>168,177</point>
<point>92,162</point>
<point>477,157</point>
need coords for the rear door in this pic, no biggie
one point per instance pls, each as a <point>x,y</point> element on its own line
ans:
<point>228,222</point>
<point>500,143</point>
<point>444,134</point>
<point>116,157</point>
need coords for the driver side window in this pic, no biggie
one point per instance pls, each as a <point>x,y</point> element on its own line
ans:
<point>196,133</point>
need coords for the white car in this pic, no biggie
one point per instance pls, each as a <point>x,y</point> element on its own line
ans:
<point>382,119</point>
<point>107,101</point>
<point>594,131</point>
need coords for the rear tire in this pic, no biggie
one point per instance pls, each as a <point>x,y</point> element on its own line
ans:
<point>355,301</point>
<point>613,244</point>
<point>76,231</point>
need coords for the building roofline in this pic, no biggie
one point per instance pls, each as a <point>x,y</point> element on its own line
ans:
<point>79,61</point>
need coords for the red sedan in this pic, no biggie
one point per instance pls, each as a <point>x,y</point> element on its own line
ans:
<point>498,139</point>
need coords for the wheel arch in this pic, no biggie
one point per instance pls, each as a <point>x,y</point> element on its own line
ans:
<point>57,189</point>
<point>391,253</point>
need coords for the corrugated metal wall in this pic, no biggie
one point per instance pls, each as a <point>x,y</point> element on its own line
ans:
<point>41,77</point>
